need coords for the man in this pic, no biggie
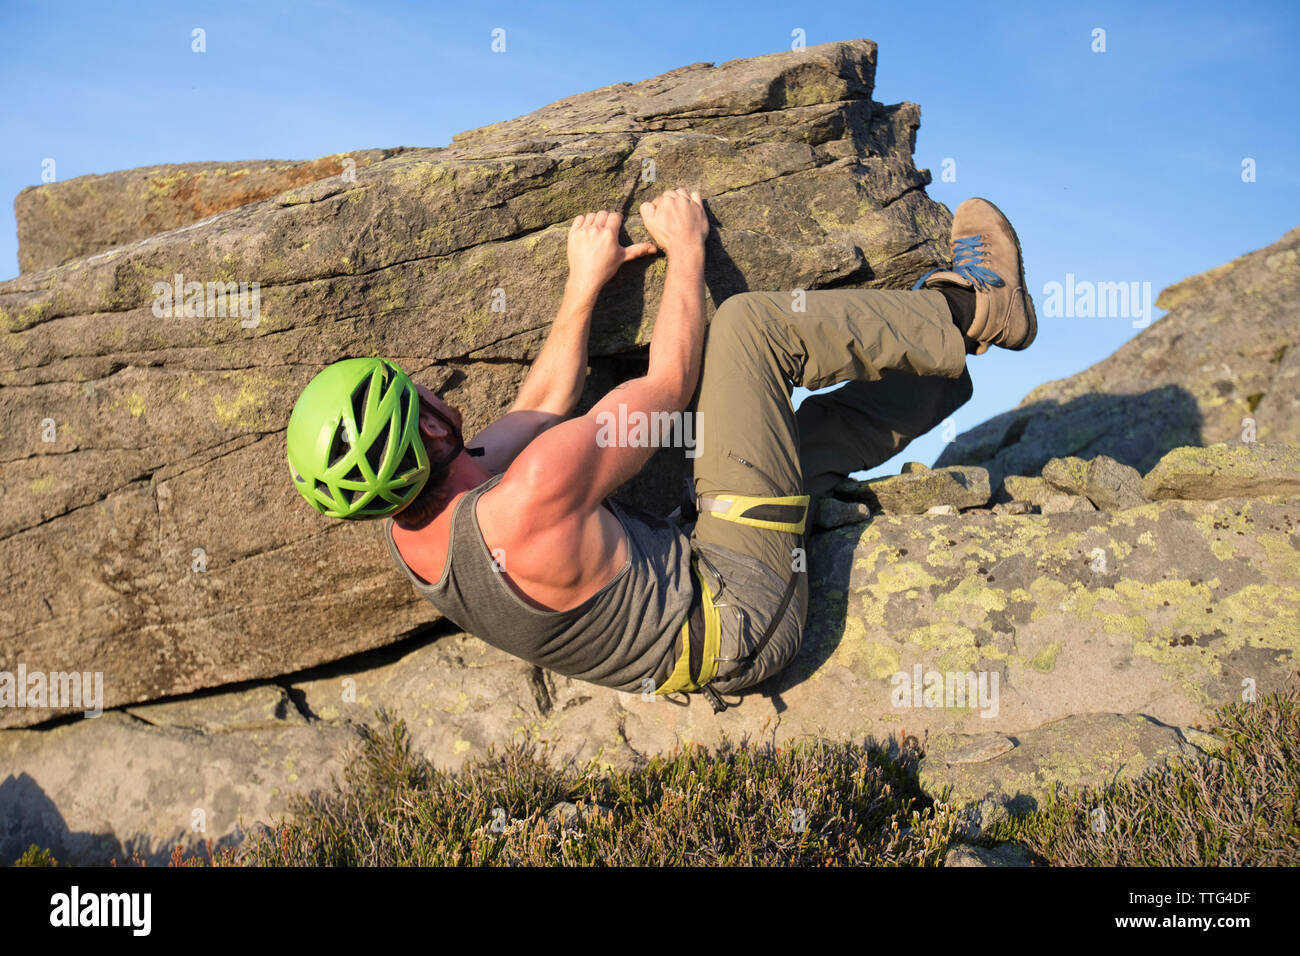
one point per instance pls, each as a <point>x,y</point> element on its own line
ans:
<point>515,539</point>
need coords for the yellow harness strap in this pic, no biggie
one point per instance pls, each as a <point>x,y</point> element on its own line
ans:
<point>681,679</point>
<point>774,514</point>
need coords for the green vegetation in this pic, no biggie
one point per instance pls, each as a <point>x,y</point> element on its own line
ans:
<point>1239,808</point>
<point>813,804</point>
<point>35,856</point>
<point>816,804</point>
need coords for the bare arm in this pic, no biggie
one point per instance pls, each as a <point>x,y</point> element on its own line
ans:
<point>555,380</point>
<point>576,464</point>
<point>554,383</point>
<point>677,344</point>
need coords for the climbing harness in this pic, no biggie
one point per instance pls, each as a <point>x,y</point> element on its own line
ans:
<point>702,629</point>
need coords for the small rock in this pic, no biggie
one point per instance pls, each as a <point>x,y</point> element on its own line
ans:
<point>1061,503</point>
<point>915,492</point>
<point>1109,485</point>
<point>913,468</point>
<point>1202,741</point>
<point>1004,854</point>
<point>833,513</point>
<point>1238,469</point>
<point>941,510</point>
<point>1026,488</point>
<point>572,816</point>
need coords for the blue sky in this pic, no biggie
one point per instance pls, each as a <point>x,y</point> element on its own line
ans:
<point>1115,166</point>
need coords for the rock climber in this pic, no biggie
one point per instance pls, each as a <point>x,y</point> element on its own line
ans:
<point>514,535</point>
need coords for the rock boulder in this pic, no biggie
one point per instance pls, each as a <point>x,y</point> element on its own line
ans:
<point>150,531</point>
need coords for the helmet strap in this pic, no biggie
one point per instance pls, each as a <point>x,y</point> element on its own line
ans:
<point>458,445</point>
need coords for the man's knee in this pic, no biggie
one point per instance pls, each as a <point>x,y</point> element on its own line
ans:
<point>739,317</point>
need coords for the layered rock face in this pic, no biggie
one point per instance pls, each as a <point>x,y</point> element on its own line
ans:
<point>69,220</point>
<point>149,529</point>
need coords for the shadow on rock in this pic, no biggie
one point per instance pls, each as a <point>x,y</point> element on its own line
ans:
<point>1135,430</point>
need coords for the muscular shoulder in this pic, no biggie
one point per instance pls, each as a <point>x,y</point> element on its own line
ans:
<point>516,517</point>
<point>541,540</point>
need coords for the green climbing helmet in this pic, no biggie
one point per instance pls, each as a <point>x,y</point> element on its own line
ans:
<point>354,443</point>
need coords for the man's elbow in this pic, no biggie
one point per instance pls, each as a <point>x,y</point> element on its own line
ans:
<point>553,406</point>
<point>672,392</point>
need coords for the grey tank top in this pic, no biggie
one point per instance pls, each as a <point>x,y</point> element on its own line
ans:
<point>625,632</point>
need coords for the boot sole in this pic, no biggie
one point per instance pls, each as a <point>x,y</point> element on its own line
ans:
<point>1029,300</point>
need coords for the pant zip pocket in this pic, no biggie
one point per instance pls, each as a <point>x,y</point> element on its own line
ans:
<point>779,491</point>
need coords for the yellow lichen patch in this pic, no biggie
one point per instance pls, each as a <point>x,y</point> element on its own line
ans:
<point>1149,595</point>
<point>164,182</point>
<point>1076,471</point>
<point>1064,549</point>
<point>864,566</point>
<point>475,323</point>
<point>391,295</point>
<point>871,659</point>
<point>971,592</point>
<point>1284,555</point>
<point>135,405</point>
<point>1131,516</point>
<point>245,410</point>
<point>1263,615</point>
<point>901,577</point>
<point>955,643</point>
<point>40,484</point>
<point>1134,625</point>
<point>1223,550</point>
<point>1048,596</point>
<point>1229,519</point>
<point>1045,659</point>
<point>440,235</point>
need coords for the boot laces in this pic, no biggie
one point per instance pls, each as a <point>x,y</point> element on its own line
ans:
<point>968,254</point>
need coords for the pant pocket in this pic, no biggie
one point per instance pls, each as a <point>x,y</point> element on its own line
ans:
<point>750,597</point>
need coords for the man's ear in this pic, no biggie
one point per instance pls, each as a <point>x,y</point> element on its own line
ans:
<point>431,424</point>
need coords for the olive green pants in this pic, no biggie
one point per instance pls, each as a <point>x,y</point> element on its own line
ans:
<point>904,362</point>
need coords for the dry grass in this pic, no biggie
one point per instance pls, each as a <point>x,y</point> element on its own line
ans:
<point>1239,808</point>
<point>815,804</point>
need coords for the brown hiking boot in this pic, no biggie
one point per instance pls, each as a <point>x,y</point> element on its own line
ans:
<point>986,258</point>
